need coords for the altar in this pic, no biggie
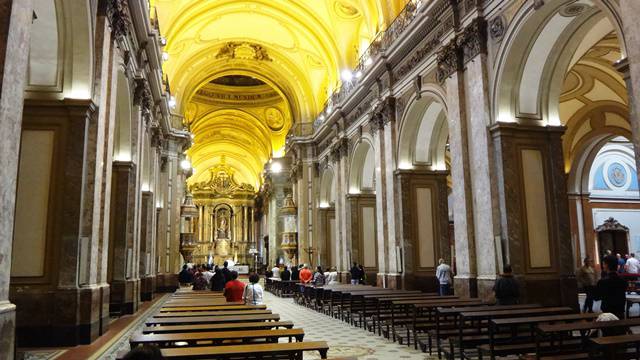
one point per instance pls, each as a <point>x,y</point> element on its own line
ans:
<point>226,211</point>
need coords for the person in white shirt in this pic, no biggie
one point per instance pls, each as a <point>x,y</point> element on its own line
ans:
<point>443,273</point>
<point>633,265</point>
<point>208,274</point>
<point>276,272</point>
<point>331,277</point>
<point>253,292</point>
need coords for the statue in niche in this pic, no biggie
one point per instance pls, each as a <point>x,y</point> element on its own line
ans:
<point>223,226</point>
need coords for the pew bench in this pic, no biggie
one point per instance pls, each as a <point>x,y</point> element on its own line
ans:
<point>261,325</point>
<point>212,308</point>
<point>215,337</point>
<point>211,319</point>
<point>618,347</point>
<point>210,313</point>
<point>291,350</point>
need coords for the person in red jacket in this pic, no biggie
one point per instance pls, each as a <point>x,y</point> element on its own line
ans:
<point>234,288</point>
<point>305,275</point>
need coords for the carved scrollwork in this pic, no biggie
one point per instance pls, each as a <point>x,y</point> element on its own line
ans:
<point>448,61</point>
<point>497,27</point>
<point>118,16</point>
<point>142,97</point>
<point>473,40</point>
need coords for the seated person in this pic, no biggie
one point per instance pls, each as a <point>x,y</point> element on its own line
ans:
<point>145,352</point>
<point>253,292</point>
<point>234,288</point>
<point>200,282</point>
<point>185,277</point>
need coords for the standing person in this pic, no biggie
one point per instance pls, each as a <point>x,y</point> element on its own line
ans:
<point>363,275</point>
<point>506,288</point>
<point>612,290</point>
<point>633,265</point>
<point>286,274</point>
<point>185,277</point>
<point>217,280</point>
<point>355,274</point>
<point>253,292</point>
<point>586,278</point>
<point>234,289</point>
<point>332,277</point>
<point>621,263</point>
<point>318,277</point>
<point>443,274</point>
<point>295,273</point>
<point>305,277</point>
<point>226,272</point>
<point>276,272</point>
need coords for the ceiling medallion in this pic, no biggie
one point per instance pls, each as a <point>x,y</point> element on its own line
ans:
<point>573,9</point>
<point>274,119</point>
<point>345,10</point>
<point>243,50</point>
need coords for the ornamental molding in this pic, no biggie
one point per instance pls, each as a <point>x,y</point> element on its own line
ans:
<point>142,97</point>
<point>244,51</point>
<point>497,27</point>
<point>119,18</point>
<point>612,224</point>
<point>448,61</point>
<point>473,40</point>
<point>221,184</point>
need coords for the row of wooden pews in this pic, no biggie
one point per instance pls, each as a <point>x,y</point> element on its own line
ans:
<point>202,325</point>
<point>469,328</point>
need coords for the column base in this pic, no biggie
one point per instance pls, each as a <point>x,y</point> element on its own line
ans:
<point>60,317</point>
<point>484,285</point>
<point>465,286</point>
<point>344,277</point>
<point>422,282</point>
<point>389,281</point>
<point>7,330</point>
<point>125,297</point>
<point>167,283</point>
<point>147,287</point>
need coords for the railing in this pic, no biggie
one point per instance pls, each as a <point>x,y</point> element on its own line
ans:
<point>381,42</point>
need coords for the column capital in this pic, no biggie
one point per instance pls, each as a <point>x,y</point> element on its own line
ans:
<point>472,41</point>
<point>142,97</point>
<point>119,18</point>
<point>383,113</point>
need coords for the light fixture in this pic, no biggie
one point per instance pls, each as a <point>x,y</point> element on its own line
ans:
<point>165,56</point>
<point>163,41</point>
<point>358,74</point>
<point>346,75</point>
<point>276,167</point>
<point>368,61</point>
<point>185,164</point>
<point>329,109</point>
<point>321,117</point>
<point>172,102</point>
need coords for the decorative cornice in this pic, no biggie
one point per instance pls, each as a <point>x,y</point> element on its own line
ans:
<point>119,18</point>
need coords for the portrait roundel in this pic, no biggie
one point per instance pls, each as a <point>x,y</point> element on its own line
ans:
<point>274,118</point>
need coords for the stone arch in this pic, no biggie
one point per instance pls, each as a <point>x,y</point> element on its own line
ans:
<point>122,146</point>
<point>327,189</point>
<point>424,133</point>
<point>530,68</point>
<point>362,168</point>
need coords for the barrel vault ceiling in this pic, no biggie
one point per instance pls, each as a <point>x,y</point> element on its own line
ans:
<point>244,72</point>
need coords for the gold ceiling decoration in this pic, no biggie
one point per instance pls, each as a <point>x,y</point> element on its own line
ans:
<point>221,184</point>
<point>292,52</point>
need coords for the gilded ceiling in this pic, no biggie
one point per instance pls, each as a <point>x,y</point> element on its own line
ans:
<point>290,53</point>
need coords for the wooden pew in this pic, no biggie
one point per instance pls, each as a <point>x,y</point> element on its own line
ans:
<point>215,337</point>
<point>210,313</point>
<point>557,332</point>
<point>261,325</point>
<point>211,319</point>
<point>617,347</point>
<point>293,350</point>
<point>528,342</point>
<point>200,303</point>
<point>464,341</point>
<point>212,308</point>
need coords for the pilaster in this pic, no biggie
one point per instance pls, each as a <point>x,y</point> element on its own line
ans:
<point>536,237</point>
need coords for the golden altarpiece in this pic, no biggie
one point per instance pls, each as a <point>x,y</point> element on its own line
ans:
<point>226,213</point>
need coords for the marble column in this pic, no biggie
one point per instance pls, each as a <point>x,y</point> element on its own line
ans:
<point>125,289</point>
<point>535,216</point>
<point>376,126</point>
<point>147,279</point>
<point>15,27</point>
<point>423,210</point>
<point>394,256</point>
<point>630,68</point>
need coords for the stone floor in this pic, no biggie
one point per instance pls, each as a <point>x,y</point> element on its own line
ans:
<point>345,341</point>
